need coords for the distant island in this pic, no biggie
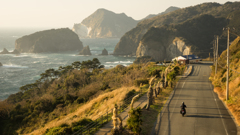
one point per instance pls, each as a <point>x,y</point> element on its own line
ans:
<point>104,24</point>
<point>49,41</point>
<point>5,51</point>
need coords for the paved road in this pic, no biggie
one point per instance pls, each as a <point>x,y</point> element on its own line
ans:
<point>206,114</point>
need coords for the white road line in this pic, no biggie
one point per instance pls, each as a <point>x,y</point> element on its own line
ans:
<point>219,111</point>
<point>175,105</point>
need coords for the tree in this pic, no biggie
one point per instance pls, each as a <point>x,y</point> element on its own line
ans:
<point>134,122</point>
<point>76,65</point>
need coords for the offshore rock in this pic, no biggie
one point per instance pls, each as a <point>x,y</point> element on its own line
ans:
<point>104,52</point>
<point>85,51</point>
<point>1,64</point>
<point>5,51</point>
<point>49,41</point>
<point>15,51</point>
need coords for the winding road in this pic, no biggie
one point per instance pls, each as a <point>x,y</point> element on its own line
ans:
<point>206,114</point>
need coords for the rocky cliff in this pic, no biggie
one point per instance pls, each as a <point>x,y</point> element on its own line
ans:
<point>189,26</point>
<point>191,37</point>
<point>104,24</point>
<point>54,40</point>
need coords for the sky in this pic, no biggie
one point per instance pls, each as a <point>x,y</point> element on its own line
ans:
<point>64,13</point>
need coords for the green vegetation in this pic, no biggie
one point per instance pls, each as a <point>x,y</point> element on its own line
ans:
<point>62,91</point>
<point>59,92</point>
<point>134,122</point>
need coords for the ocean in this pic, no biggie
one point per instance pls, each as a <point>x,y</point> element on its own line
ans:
<point>27,67</point>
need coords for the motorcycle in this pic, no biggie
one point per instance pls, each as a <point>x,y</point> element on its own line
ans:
<point>183,112</point>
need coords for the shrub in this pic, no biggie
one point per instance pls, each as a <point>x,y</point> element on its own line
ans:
<point>84,121</point>
<point>134,122</point>
<point>140,81</point>
<point>129,94</point>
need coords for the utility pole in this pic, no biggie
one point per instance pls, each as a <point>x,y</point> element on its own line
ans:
<point>227,85</point>
<point>214,53</point>
<point>216,56</point>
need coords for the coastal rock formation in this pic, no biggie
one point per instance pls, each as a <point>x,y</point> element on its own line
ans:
<point>5,51</point>
<point>104,52</point>
<point>48,41</point>
<point>15,51</point>
<point>104,24</point>
<point>85,51</point>
<point>189,26</point>
<point>1,64</point>
<point>167,42</point>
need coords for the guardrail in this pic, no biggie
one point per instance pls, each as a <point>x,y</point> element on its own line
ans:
<point>92,127</point>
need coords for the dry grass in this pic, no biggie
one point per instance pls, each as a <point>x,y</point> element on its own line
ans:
<point>93,109</point>
<point>233,104</point>
<point>149,117</point>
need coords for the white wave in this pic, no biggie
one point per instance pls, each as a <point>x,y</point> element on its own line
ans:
<point>14,66</point>
<point>38,57</point>
<point>15,36</point>
<point>21,56</point>
<point>83,55</point>
<point>36,61</point>
<point>122,62</point>
<point>5,93</point>
<point>73,55</point>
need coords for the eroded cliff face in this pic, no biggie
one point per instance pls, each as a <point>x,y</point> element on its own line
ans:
<point>161,50</point>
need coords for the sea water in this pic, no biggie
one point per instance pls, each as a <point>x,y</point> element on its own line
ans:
<point>19,70</point>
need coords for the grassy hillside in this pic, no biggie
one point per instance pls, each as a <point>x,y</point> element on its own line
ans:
<point>219,79</point>
<point>67,96</point>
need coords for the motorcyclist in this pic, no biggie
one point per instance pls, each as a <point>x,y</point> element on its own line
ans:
<point>183,106</point>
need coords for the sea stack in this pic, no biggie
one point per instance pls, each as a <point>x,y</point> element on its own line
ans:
<point>5,51</point>
<point>15,52</point>
<point>85,51</point>
<point>104,52</point>
<point>1,64</point>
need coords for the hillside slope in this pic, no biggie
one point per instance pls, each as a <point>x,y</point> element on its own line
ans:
<point>179,20</point>
<point>219,79</point>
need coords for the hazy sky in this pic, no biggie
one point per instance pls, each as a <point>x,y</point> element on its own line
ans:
<point>64,13</point>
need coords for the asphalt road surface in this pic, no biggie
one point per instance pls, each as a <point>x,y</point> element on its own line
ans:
<point>205,113</point>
